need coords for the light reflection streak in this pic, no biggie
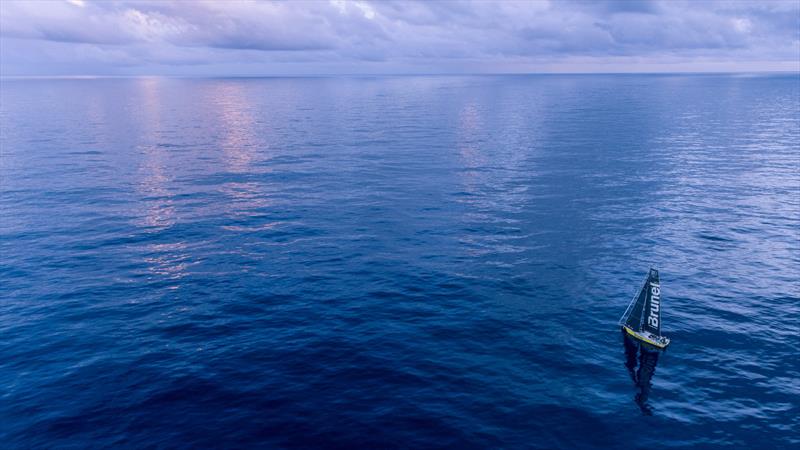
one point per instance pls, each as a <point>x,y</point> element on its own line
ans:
<point>236,119</point>
<point>470,129</point>
<point>491,178</point>
<point>240,144</point>
<point>153,186</point>
<point>167,261</point>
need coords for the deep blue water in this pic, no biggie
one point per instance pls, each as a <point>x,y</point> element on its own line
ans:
<point>387,262</point>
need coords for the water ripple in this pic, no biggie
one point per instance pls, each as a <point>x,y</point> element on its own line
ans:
<point>397,261</point>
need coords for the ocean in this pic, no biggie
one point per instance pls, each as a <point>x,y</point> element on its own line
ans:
<point>398,261</point>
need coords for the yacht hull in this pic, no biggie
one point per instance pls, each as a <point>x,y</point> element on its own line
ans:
<point>646,339</point>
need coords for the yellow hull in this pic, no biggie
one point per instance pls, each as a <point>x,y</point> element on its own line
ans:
<point>645,339</point>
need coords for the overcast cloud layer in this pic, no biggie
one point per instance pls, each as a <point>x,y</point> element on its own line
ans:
<point>85,37</point>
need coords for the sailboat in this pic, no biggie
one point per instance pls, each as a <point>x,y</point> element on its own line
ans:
<point>642,319</point>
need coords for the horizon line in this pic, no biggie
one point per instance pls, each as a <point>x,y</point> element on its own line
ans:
<point>409,74</point>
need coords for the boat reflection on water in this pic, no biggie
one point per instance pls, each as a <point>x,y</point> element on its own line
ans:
<point>641,360</point>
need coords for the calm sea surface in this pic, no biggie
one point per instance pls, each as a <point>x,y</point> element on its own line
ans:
<point>387,262</point>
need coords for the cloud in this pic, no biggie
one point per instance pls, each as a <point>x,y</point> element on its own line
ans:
<point>362,36</point>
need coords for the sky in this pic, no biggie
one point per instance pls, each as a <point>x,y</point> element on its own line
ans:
<point>252,38</point>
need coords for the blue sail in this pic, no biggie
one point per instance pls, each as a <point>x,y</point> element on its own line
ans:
<point>639,309</point>
<point>651,317</point>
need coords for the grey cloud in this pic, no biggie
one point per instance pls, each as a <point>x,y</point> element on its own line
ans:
<point>117,35</point>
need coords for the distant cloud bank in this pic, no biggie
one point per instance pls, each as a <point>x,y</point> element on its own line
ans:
<point>85,37</point>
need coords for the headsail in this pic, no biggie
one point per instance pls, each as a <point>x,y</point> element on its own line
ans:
<point>633,316</point>
<point>651,319</point>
